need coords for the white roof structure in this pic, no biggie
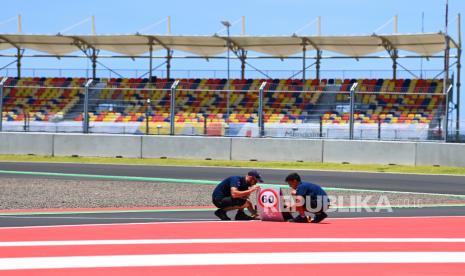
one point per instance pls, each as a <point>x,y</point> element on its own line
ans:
<point>424,44</point>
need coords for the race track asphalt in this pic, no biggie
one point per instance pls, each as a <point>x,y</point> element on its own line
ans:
<point>442,184</point>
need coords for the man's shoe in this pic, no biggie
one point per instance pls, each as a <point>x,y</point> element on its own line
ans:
<point>221,214</point>
<point>319,217</point>
<point>256,217</point>
<point>300,219</point>
<point>243,216</point>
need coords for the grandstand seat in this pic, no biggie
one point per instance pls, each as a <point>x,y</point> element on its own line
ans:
<point>197,96</point>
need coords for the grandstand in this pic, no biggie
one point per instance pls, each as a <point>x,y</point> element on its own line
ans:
<point>202,102</point>
<point>41,98</point>
<point>197,97</point>
<point>381,108</point>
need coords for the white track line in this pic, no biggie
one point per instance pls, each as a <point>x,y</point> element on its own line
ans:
<point>234,241</point>
<point>231,259</point>
<point>119,224</point>
<point>190,221</point>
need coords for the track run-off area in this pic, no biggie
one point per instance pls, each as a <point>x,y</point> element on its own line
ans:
<point>389,246</point>
<point>190,241</point>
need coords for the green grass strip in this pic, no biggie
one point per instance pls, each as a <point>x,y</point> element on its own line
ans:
<point>236,164</point>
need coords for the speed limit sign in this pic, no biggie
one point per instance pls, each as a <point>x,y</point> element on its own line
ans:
<point>269,205</point>
<point>268,198</point>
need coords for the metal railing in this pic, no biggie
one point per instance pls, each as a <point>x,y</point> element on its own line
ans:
<point>218,73</point>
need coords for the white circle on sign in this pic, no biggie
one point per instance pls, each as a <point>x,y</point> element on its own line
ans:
<point>268,198</point>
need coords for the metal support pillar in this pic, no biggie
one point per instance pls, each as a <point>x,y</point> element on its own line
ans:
<point>26,120</point>
<point>446,115</point>
<point>173,106</point>
<point>446,87</point>
<point>20,26</point>
<point>318,57</point>
<point>304,52</point>
<point>18,62</point>
<point>94,63</point>
<point>228,44</point>
<point>379,129</point>
<point>394,65</point>
<point>261,122</point>
<point>317,64</point>
<point>242,57</point>
<point>393,53</point>
<point>168,63</point>
<point>457,86</point>
<point>147,115</point>
<point>150,60</point>
<point>242,69</point>
<point>457,91</point>
<point>1,101</point>
<point>352,108</point>
<point>85,126</point>
<point>205,117</point>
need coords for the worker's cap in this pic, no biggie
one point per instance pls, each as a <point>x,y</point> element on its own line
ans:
<point>256,175</point>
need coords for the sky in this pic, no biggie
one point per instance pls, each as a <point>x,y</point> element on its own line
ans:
<point>271,17</point>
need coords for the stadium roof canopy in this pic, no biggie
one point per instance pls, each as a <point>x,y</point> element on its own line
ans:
<point>424,44</point>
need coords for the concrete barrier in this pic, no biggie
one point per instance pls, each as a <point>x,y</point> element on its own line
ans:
<point>186,147</point>
<point>270,149</point>
<point>369,152</point>
<point>442,154</point>
<point>97,145</point>
<point>26,143</point>
<point>223,148</point>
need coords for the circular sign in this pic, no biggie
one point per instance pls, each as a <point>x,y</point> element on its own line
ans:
<point>268,198</point>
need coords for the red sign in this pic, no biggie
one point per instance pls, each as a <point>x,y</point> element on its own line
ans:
<point>268,198</point>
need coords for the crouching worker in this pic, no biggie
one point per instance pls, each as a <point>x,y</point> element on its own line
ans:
<point>308,197</point>
<point>233,194</point>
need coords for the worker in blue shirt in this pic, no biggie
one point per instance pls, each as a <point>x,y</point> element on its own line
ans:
<point>311,198</point>
<point>233,193</point>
